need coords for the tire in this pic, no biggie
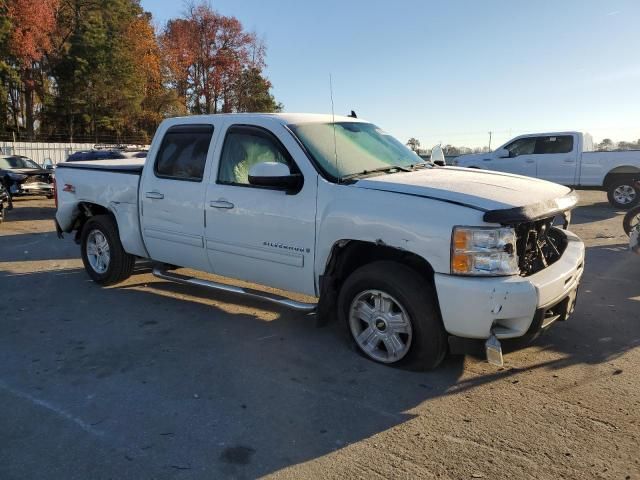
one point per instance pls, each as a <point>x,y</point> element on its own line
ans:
<point>117,265</point>
<point>623,193</point>
<point>410,298</point>
<point>631,219</point>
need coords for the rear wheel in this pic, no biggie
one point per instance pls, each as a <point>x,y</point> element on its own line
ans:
<point>392,316</point>
<point>104,259</point>
<point>623,193</point>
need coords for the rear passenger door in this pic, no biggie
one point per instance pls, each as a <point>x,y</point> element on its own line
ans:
<point>172,196</point>
<point>557,158</point>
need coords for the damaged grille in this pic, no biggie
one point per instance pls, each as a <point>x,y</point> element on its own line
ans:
<point>44,178</point>
<point>539,244</point>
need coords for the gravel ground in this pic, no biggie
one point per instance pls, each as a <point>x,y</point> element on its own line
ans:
<point>150,379</point>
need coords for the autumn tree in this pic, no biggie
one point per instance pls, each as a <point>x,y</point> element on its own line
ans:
<point>97,68</point>
<point>157,100</point>
<point>29,40</point>
<point>107,71</point>
<point>214,64</point>
<point>5,67</point>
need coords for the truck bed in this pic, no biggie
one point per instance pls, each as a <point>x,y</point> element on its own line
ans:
<point>112,184</point>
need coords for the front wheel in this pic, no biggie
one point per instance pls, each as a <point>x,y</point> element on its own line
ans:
<point>623,193</point>
<point>104,259</point>
<point>392,316</point>
<point>631,220</point>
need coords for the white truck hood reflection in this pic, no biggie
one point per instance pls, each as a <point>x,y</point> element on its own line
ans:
<point>474,188</point>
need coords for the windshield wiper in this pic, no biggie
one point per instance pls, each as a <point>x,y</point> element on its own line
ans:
<point>387,169</point>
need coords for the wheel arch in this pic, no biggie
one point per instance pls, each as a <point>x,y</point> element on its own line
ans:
<point>84,211</point>
<point>620,171</point>
<point>348,255</point>
<point>126,218</point>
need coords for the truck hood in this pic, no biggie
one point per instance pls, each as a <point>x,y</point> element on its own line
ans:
<point>478,189</point>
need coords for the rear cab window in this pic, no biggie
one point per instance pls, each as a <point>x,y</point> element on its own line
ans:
<point>554,144</point>
<point>183,152</point>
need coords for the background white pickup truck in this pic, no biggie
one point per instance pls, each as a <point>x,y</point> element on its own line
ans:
<point>566,158</point>
<point>402,252</point>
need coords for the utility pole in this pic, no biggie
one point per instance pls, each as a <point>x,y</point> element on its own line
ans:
<point>490,140</point>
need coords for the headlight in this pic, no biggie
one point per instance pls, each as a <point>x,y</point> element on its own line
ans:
<point>484,251</point>
<point>16,176</point>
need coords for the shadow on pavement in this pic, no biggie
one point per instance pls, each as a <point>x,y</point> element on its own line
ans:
<point>241,388</point>
<point>594,212</point>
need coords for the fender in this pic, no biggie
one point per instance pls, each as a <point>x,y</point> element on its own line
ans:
<point>410,224</point>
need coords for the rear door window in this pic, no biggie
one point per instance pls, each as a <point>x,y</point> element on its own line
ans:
<point>183,152</point>
<point>554,144</point>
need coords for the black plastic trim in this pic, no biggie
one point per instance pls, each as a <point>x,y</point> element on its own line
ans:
<point>531,213</point>
<point>127,169</point>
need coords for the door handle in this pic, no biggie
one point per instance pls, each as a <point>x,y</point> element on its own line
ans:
<point>568,160</point>
<point>486,159</point>
<point>221,204</point>
<point>154,195</point>
<point>529,161</point>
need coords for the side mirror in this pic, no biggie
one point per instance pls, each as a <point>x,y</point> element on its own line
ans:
<point>275,175</point>
<point>503,153</point>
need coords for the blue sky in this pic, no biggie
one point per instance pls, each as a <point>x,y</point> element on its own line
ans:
<point>452,70</point>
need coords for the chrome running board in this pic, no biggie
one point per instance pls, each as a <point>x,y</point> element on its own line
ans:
<point>221,287</point>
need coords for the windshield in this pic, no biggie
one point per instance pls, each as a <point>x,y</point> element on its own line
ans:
<point>17,162</point>
<point>358,147</point>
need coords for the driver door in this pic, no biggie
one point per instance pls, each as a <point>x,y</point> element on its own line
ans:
<point>260,234</point>
<point>521,159</point>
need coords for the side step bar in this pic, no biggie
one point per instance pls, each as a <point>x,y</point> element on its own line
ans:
<point>221,287</point>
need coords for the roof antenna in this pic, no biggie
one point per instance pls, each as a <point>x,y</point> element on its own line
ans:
<point>353,114</point>
<point>333,121</point>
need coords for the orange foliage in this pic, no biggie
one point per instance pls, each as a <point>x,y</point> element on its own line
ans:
<point>32,23</point>
<point>206,53</point>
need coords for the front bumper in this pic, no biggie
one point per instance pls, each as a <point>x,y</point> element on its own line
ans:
<point>35,188</point>
<point>510,306</point>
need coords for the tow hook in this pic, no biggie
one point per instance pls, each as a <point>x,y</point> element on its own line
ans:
<point>493,350</point>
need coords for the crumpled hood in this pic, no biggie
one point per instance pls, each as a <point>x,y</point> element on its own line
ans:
<point>478,189</point>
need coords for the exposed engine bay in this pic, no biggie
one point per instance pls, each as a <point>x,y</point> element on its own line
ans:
<point>539,244</point>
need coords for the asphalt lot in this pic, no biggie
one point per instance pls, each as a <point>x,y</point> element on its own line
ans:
<point>150,379</point>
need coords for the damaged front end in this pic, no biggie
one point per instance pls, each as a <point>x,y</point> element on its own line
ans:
<point>539,242</point>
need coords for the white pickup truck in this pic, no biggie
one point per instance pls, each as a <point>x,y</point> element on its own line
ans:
<point>408,255</point>
<point>566,158</point>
